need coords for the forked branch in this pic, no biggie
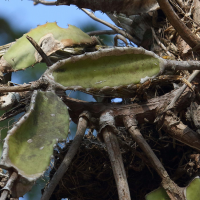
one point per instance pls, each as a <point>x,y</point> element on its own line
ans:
<point>173,190</point>
<point>125,34</point>
<point>187,35</point>
<point>179,26</point>
<point>107,132</point>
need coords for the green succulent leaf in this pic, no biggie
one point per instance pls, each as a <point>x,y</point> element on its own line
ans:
<point>29,145</point>
<point>192,191</point>
<point>107,70</point>
<point>50,37</point>
<point>158,194</point>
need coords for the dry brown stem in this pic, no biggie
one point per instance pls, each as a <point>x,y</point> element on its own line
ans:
<point>101,32</point>
<point>182,89</point>
<point>179,131</point>
<point>8,186</point>
<point>82,125</point>
<point>123,33</point>
<point>120,37</point>
<point>120,6</point>
<point>116,163</point>
<point>180,27</point>
<point>39,50</point>
<point>174,192</point>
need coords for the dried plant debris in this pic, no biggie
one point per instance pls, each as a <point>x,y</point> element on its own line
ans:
<point>193,115</point>
<point>50,37</point>
<point>90,174</point>
<point>29,145</point>
<point>169,37</point>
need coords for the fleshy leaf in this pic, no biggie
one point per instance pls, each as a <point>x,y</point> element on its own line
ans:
<point>50,37</point>
<point>29,144</point>
<point>192,191</point>
<point>158,194</point>
<point>107,70</point>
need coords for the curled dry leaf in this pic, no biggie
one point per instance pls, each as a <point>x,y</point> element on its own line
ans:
<point>50,37</point>
<point>29,144</point>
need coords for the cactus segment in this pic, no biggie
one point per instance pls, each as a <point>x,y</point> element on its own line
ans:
<point>50,37</point>
<point>109,68</point>
<point>29,145</point>
<point>158,194</point>
<point>192,191</point>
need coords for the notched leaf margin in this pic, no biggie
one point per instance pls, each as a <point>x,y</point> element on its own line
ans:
<point>106,90</point>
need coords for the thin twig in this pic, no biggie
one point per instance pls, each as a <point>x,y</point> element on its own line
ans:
<point>172,103</point>
<point>181,65</point>
<point>174,191</point>
<point>40,51</point>
<point>8,186</point>
<point>187,35</point>
<point>160,43</point>
<point>48,3</point>
<point>120,37</point>
<point>125,34</point>
<point>4,116</point>
<point>82,125</point>
<point>25,87</point>
<point>180,3</point>
<point>102,32</point>
<point>117,164</point>
<point>21,88</point>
